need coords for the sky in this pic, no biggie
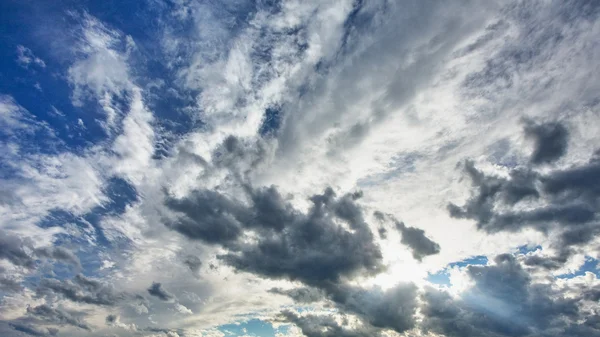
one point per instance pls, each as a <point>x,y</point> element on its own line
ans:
<point>344,168</point>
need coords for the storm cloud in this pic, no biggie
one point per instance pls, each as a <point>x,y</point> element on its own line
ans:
<point>563,201</point>
<point>313,248</point>
<point>504,301</point>
<point>414,238</point>
<point>550,140</point>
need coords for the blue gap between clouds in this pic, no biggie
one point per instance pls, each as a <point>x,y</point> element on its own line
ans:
<point>271,122</point>
<point>33,26</point>
<point>253,327</point>
<point>590,265</point>
<point>442,276</point>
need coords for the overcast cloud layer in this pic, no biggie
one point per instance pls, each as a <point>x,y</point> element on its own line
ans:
<point>300,168</point>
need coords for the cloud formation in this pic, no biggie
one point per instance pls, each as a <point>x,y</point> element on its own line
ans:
<point>289,168</point>
<point>504,301</point>
<point>157,290</point>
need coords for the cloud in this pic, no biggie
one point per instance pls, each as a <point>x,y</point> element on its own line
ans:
<point>412,237</point>
<point>21,252</point>
<point>420,244</point>
<point>103,71</point>
<point>81,289</point>
<point>158,291</point>
<point>57,316</point>
<point>25,58</point>
<point>193,263</point>
<point>115,321</point>
<point>313,248</point>
<point>13,117</point>
<point>324,326</point>
<point>392,308</point>
<point>209,216</point>
<point>32,330</point>
<point>9,283</point>
<point>59,254</point>
<point>550,139</point>
<point>110,319</point>
<point>560,201</point>
<point>227,121</point>
<point>504,301</point>
<point>13,248</point>
<point>182,309</point>
<point>301,295</point>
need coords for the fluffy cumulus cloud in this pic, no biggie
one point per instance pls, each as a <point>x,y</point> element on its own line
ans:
<point>300,168</point>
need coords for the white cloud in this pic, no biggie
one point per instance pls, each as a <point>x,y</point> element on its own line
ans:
<point>13,117</point>
<point>102,72</point>
<point>25,58</point>
<point>182,309</point>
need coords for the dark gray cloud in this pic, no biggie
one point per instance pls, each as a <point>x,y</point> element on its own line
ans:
<point>322,248</point>
<point>32,330</point>
<point>214,218</point>
<point>579,182</point>
<point>567,196</point>
<point>16,250</point>
<point>420,244</point>
<point>313,248</point>
<point>207,216</point>
<point>550,139</point>
<point>111,319</point>
<point>415,238</point>
<point>504,301</point>
<point>59,254</point>
<point>377,309</point>
<point>393,308</point>
<point>81,289</point>
<point>56,316</point>
<point>301,295</point>
<point>9,282</point>
<point>11,285</point>
<point>157,290</point>
<point>489,190</point>
<point>239,155</point>
<point>548,263</point>
<point>167,332</point>
<point>21,252</point>
<point>565,202</point>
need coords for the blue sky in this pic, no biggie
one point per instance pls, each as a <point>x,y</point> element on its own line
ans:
<point>299,168</point>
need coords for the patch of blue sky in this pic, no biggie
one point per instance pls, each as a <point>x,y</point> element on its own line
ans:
<point>271,122</point>
<point>442,277</point>
<point>253,327</point>
<point>47,95</point>
<point>525,249</point>
<point>41,90</point>
<point>590,265</point>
